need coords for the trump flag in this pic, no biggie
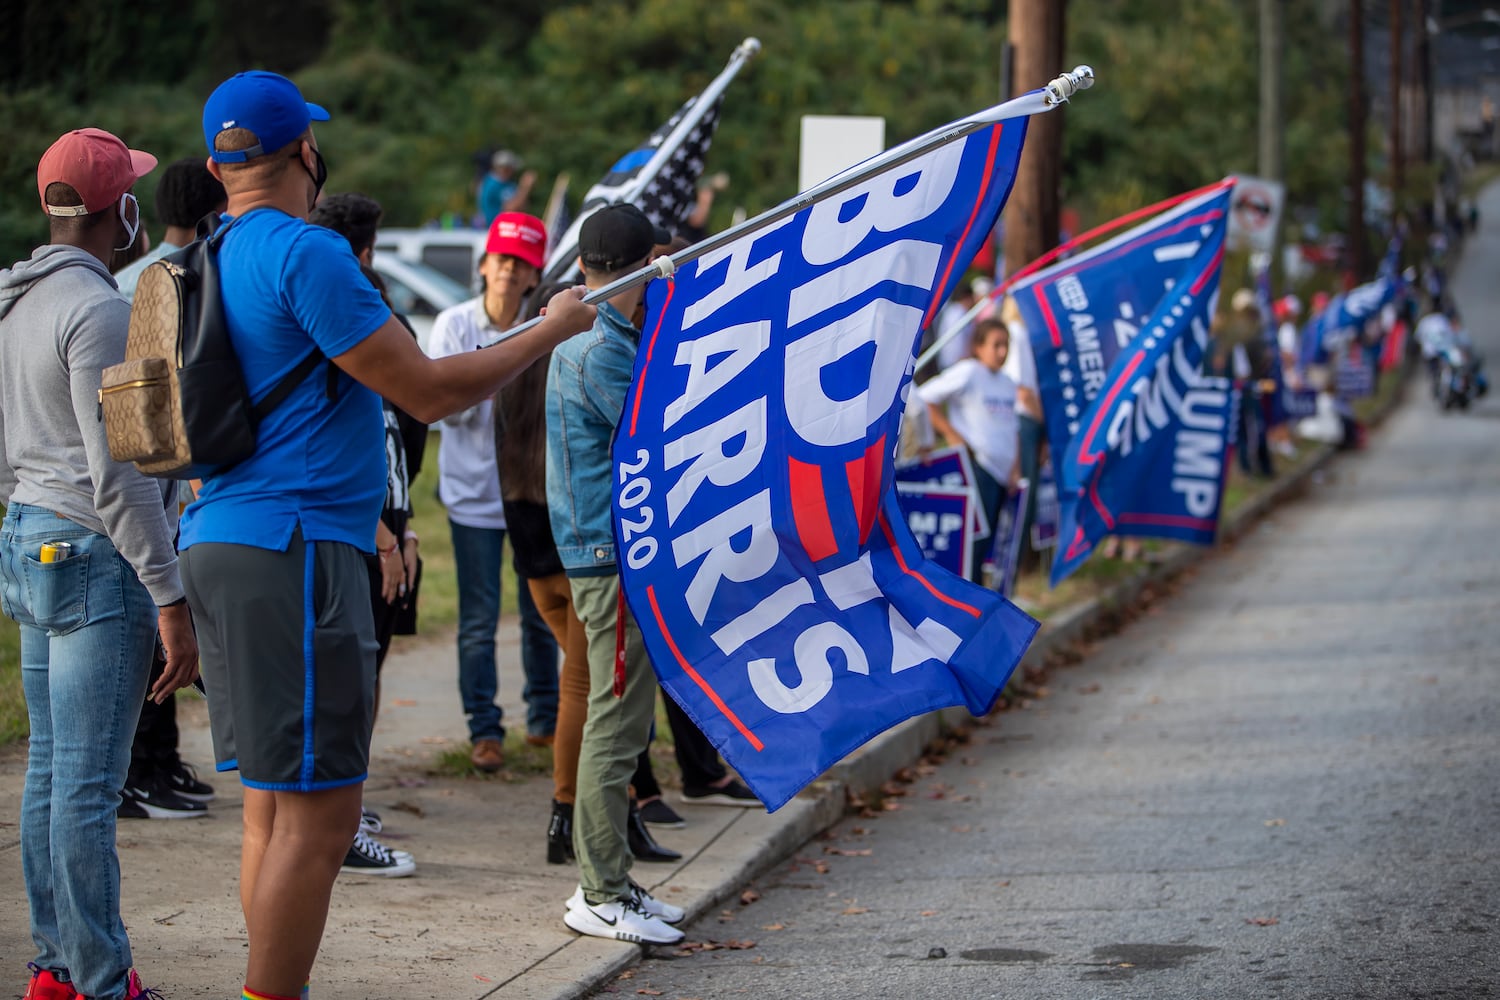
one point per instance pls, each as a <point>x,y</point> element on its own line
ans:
<point>1082,312</point>
<point>1149,455</point>
<point>783,600</point>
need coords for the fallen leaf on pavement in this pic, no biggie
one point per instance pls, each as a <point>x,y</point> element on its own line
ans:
<point>843,852</point>
<point>643,991</point>
<point>774,927</point>
<point>748,896</point>
<point>854,911</point>
<point>1262,921</point>
<point>1275,822</point>
<point>403,702</point>
<point>928,913</point>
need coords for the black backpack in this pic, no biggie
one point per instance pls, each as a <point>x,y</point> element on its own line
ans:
<point>177,406</point>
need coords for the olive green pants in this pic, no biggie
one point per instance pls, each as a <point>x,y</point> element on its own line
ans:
<point>616,732</point>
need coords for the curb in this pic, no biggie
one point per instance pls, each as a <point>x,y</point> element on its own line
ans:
<point>725,865</point>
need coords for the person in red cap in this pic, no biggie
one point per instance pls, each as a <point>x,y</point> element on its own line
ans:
<point>87,566</point>
<point>515,254</point>
<point>274,546</point>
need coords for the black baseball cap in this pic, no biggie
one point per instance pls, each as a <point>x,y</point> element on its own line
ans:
<point>617,236</point>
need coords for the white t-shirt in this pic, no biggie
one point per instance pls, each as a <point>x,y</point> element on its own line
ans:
<point>957,348</point>
<point>981,408</point>
<point>1020,363</point>
<point>468,484</point>
<point>1288,338</point>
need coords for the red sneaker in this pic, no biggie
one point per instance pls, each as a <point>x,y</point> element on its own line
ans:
<point>46,986</point>
<point>135,991</point>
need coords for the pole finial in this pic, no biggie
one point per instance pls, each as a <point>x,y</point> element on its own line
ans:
<point>1065,86</point>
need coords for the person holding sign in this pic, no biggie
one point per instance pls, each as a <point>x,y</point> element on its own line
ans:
<point>973,406</point>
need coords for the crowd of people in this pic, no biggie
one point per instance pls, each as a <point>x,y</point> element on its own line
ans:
<point>121,583</point>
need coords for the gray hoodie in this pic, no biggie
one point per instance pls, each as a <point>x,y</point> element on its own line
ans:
<point>62,322</point>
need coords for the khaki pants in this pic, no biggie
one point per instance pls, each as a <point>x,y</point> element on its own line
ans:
<point>553,598</point>
<point>616,732</point>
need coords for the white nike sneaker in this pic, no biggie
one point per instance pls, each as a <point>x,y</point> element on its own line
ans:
<point>622,920</point>
<point>648,903</point>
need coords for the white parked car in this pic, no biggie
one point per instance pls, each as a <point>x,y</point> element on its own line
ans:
<point>454,252</point>
<point>418,291</point>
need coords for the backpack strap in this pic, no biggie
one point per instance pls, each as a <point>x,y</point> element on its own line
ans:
<point>283,389</point>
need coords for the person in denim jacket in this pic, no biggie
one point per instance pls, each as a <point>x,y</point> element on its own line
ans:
<point>586,385</point>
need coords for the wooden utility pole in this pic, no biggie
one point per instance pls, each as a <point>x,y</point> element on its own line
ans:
<point>1398,102</point>
<point>1422,77</point>
<point>1270,162</point>
<point>1358,256</point>
<point>1031,215</point>
<point>1270,165</point>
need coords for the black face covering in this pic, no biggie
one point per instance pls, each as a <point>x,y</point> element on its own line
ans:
<point>319,176</point>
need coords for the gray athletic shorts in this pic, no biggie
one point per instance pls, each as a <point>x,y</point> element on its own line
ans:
<point>287,645</point>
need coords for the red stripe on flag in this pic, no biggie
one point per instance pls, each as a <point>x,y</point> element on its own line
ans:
<point>864,486</point>
<point>901,561</point>
<point>810,509</point>
<point>984,187</point>
<point>1169,521</point>
<point>703,685</point>
<point>1051,320</point>
<point>640,386</point>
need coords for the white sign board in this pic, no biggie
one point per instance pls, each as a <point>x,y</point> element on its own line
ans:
<point>1255,213</point>
<point>831,143</point>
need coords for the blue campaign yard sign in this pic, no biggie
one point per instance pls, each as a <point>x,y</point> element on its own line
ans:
<point>782,598</point>
<point>937,517</point>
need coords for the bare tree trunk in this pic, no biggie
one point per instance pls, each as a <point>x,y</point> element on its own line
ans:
<point>1031,215</point>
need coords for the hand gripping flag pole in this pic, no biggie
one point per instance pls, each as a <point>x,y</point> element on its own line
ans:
<point>1053,95</point>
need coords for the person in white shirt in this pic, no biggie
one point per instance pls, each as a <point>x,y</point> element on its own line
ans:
<point>973,405</point>
<point>950,320</point>
<point>467,485</point>
<point>1020,365</point>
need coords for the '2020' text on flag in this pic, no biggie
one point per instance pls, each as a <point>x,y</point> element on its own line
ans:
<point>1149,454</point>
<point>782,598</point>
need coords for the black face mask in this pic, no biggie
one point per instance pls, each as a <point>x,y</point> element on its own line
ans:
<point>319,176</point>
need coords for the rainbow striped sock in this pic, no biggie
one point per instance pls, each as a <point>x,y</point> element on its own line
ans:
<point>248,994</point>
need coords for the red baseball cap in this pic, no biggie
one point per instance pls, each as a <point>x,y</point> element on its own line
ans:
<point>516,234</point>
<point>95,164</point>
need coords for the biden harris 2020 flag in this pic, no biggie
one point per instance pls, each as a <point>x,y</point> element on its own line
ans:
<point>783,600</point>
<point>1149,454</point>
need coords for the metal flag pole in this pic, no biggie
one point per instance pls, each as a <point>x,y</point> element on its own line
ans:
<point>1051,256</point>
<point>742,54</point>
<point>1051,96</point>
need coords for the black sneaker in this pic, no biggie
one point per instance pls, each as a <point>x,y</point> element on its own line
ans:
<point>732,794</point>
<point>152,798</point>
<point>368,856</point>
<point>658,813</point>
<point>369,821</point>
<point>183,779</point>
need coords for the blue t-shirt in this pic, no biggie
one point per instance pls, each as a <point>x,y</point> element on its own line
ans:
<point>288,286</point>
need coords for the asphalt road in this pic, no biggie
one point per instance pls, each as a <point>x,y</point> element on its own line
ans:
<point>1283,782</point>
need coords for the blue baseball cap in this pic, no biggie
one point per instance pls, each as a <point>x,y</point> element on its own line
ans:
<point>266,104</point>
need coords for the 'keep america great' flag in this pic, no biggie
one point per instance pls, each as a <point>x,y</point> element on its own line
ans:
<point>783,601</point>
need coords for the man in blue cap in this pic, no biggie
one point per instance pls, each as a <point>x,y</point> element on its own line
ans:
<point>274,547</point>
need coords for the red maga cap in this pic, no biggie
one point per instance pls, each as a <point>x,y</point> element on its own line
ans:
<point>516,234</point>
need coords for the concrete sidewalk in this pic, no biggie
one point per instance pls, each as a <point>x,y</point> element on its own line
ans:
<point>482,917</point>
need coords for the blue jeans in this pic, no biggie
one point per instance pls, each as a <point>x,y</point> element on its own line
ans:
<point>87,630</point>
<point>477,558</point>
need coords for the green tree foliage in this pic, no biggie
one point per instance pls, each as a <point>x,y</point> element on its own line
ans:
<point>416,88</point>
